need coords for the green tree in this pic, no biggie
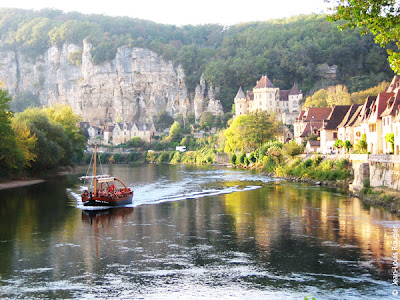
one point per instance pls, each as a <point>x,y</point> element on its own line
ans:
<point>338,144</point>
<point>175,133</point>
<point>389,138</point>
<point>347,145</point>
<point>362,146</point>
<point>380,17</point>
<point>292,149</point>
<point>318,99</point>
<point>11,158</point>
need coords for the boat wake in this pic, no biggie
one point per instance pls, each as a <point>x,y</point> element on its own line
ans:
<point>141,198</point>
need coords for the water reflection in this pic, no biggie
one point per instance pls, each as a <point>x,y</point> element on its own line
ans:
<point>277,240</point>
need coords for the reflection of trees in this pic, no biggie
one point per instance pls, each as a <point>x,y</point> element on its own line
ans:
<point>25,220</point>
<point>300,229</point>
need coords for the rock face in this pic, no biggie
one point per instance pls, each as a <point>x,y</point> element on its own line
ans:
<point>135,86</point>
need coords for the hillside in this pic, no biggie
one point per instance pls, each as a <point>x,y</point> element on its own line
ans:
<point>296,50</point>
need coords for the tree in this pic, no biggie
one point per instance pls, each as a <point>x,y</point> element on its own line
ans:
<point>318,99</point>
<point>380,17</point>
<point>362,146</point>
<point>338,95</point>
<point>249,131</point>
<point>389,138</point>
<point>174,133</point>
<point>347,145</point>
<point>11,158</point>
<point>292,148</point>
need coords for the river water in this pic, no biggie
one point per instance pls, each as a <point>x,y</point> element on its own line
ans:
<point>191,233</point>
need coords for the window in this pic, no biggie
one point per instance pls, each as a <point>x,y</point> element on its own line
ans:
<point>270,96</point>
<point>372,128</point>
<point>335,135</point>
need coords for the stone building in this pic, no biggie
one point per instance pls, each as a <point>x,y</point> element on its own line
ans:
<point>266,97</point>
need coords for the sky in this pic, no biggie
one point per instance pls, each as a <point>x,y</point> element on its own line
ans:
<point>182,12</point>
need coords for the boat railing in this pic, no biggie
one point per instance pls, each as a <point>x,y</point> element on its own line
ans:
<point>94,177</point>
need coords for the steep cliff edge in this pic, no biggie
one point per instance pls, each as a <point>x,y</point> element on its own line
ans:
<point>135,86</point>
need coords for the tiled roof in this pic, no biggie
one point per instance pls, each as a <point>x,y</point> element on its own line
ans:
<point>284,95</point>
<point>349,115</point>
<point>310,128</point>
<point>294,90</point>
<point>336,116</point>
<point>300,116</point>
<point>240,93</point>
<point>264,82</point>
<point>394,85</point>
<point>316,113</point>
<point>391,105</point>
<point>250,94</point>
<point>379,106</point>
<point>365,111</point>
<point>355,116</point>
<point>143,126</point>
<point>314,143</point>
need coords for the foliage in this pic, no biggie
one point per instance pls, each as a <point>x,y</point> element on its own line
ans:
<point>347,145</point>
<point>163,120</point>
<point>361,146</point>
<point>135,142</point>
<point>175,133</point>
<point>299,49</point>
<point>381,17</point>
<point>338,144</point>
<point>331,170</point>
<point>249,132</point>
<point>233,159</point>
<point>275,152</point>
<point>292,149</point>
<point>359,97</point>
<point>389,138</point>
<point>11,158</point>
<point>318,99</point>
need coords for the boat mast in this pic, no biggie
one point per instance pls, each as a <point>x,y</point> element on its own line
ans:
<point>95,169</point>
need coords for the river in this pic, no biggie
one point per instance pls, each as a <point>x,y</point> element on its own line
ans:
<point>191,233</point>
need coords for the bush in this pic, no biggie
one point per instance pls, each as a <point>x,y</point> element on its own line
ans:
<point>163,158</point>
<point>293,149</point>
<point>233,159</point>
<point>240,158</point>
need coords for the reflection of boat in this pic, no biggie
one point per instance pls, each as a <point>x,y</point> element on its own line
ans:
<point>104,191</point>
<point>106,215</point>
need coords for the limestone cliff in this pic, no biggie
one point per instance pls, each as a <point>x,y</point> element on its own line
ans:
<point>133,87</point>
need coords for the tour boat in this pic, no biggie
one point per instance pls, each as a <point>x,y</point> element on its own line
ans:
<point>104,191</point>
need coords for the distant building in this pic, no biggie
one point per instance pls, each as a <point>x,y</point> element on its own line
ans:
<point>266,97</point>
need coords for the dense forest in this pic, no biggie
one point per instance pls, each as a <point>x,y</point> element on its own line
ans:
<point>295,50</point>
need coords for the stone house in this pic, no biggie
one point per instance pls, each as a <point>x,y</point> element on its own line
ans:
<point>346,127</point>
<point>309,122</point>
<point>266,97</point>
<point>388,116</point>
<point>329,129</point>
<point>375,124</point>
<point>396,131</point>
<point>143,130</point>
<point>94,132</point>
<point>121,133</point>
<point>313,146</point>
<point>359,127</point>
<point>108,134</point>
<point>285,135</point>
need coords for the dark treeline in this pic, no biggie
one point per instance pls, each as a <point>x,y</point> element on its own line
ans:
<point>294,50</point>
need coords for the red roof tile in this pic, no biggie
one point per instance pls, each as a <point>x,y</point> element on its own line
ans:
<point>316,113</point>
<point>264,82</point>
<point>391,105</point>
<point>336,116</point>
<point>294,91</point>
<point>379,106</point>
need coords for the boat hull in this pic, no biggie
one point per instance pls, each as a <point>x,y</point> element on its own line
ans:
<point>108,201</point>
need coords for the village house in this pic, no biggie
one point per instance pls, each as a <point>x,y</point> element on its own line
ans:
<point>346,127</point>
<point>266,97</point>
<point>312,146</point>
<point>145,131</point>
<point>359,126</point>
<point>396,131</point>
<point>309,122</point>
<point>284,134</point>
<point>388,117</point>
<point>329,129</point>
